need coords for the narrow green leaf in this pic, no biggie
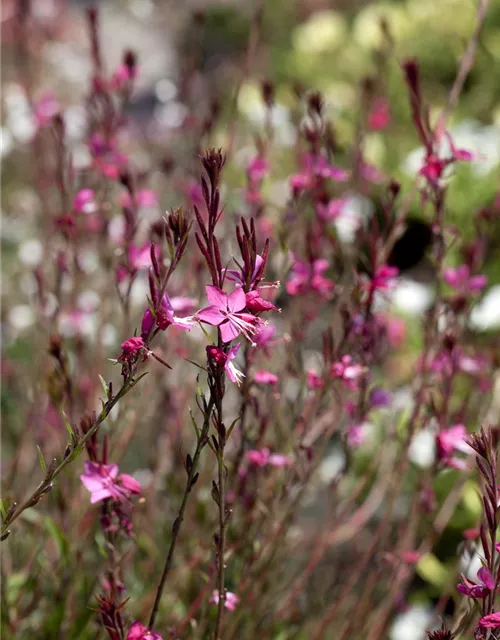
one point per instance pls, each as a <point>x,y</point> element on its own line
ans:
<point>3,510</point>
<point>231,427</point>
<point>69,428</point>
<point>195,364</point>
<point>196,428</point>
<point>104,387</point>
<point>42,460</point>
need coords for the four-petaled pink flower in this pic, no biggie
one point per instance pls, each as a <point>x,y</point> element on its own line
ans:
<point>226,312</point>
<point>165,318</point>
<point>265,377</point>
<point>474,590</point>
<point>223,360</point>
<point>309,277</point>
<point>84,201</point>
<point>315,168</point>
<point>347,371</point>
<point>139,632</point>
<point>231,600</point>
<point>103,481</point>
<point>461,280</point>
<point>263,457</point>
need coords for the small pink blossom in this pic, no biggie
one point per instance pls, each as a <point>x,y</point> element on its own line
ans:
<point>145,199</point>
<point>265,377</point>
<point>315,169</point>
<point>46,107</point>
<point>231,600</point>
<point>306,277</point>
<point>474,590</point>
<point>450,441</point>
<point>140,257</point>
<point>347,371</point>
<point>491,621</point>
<point>84,201</point>
<point>139,632</point>
<point>223,360</point>
<point>132,349</point>
<point>383,279</point>
<point>331,210</point>
<point>103,482</point>
<point>123,76</point>
<point>314,381</point>
<point>461,280</point>
<point>356,434</point>
<point>379,116</point>
<point>165,318</point>
<point>257,169</point>
<point>226,312</point>
<point>263,457</point>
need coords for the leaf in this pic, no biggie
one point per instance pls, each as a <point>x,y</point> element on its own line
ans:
<point>104,386</point>
<point>195,364</point>
<point>195,425</point>
<point>42,460</point>
<point>69,428</point>
<point>3,510</point>
<point>231,427</point>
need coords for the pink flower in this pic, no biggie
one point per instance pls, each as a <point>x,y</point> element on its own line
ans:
<point>257,169</point>
<point>132,349</point>
<point>347,371</point>
<point>240,277</point>
<point>491,621</point>
<point>314,381</point>
<point>265,338</point>
<point>379,117</point>
<point>231,600</point>
<point>256,303</point>
<point>265,377</point>
<point>461,280</point>
<point>46,107</point>
<point>450,441</point>
<point>472,589</point>
<point>225,312</point>
<point>183,304</point>
<point>140,257</point>
<point>122,76</point>
<point>145,199</point>
<point>263,457</point>
<point>316,168</point>
<point>356,434</point>
<point>332,210</point>
<point>223,360</point>
<point>139,632</point>
<point>84,201</point>
<point>103,482</point>
<point>384,278</point>
<point>309,277</point>
<point>164,318</point>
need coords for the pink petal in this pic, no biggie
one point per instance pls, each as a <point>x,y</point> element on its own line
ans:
<point>484,574</point>
<point>476,283</point>
<point>216,297</point>
<point>229,331</point>
<point>91,482</point>
<point>129,483</point>
<point>211,315</point>
<point>97,496</point>
<point>492,621</point>
<point>236,300</point>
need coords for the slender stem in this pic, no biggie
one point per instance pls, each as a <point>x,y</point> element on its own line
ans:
<point>221,542</point>
<point>202,440</point>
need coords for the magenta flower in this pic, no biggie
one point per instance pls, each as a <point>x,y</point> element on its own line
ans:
<point>226,312</point>
<point>84,201</point>
<point>331,210</point>
<point>256,303</point>
<point>265,377</point>
<point>347,371</point>
<point>257,169</point>
<point>140,257</point>
<point>122,76</point>
<point>309,277</point>
<point>450,441</point>
<point>314,381</point>
<point>231,600</point>
<point>491,621</point>
<point>223,360</point>
<point>103,482</point>
<point>240,277</point>
<point>461,280</point>
<point>474,590</point>
<point>316,168</point>
<point>46,107</point>
<point>379,116</point>
<point>384,278</point>
<point>263,457</point>
<point>164,318</point>
<point>145,199</point>
<point>139,632</point>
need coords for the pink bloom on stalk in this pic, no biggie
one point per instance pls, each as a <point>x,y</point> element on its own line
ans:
<point>257,169</point>
<point>332,209</point>
<point>265,377</point>
<point>379,117</point>
<point>356,434</point>
<point>103,482</point>
<point>347,371</point>
<point>491,621</point>
<point>140,257</point>
<point>46,107</point>
<point>433,167</point>
<point>309,277</point>
<point>224,360</point>
<point>226,312</point>
<point>145,199</point>
<point>165,318</point>
<point>139,632</point>
<point>122,76</point>
<point>183,304</point>
<point>131,349</point>
<point>263,457</point>
<point>240,277</point>
<point>84,201</point>
<point>474,590</point>
<point>384,278</point>
<point>314,169</point>
<point>450,441</point>
<point>231,600</point>
<point>256,303</point>
<point>314,381</point>
<point>461,280</point>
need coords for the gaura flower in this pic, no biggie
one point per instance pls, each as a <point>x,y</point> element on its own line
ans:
<point>461,280</point>
<point>226,312</point>
<point>139,632</point>
<point>223,360</point>
<point>265,377</point>
<point>164,318</point>
<point>103,482</point>
<point>231,600</point>
<point>474,590</point>
<point>306,277</point>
